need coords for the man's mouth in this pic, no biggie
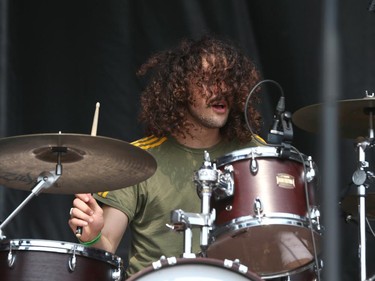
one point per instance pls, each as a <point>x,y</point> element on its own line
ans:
<point>219,106</point>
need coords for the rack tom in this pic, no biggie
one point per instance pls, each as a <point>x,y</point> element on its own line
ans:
<point>271,222</point>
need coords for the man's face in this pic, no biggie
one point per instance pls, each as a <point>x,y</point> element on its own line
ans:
<point>210,107</point>
<point>210,110</point>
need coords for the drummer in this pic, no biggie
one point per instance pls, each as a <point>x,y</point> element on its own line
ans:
<point>194,102</point>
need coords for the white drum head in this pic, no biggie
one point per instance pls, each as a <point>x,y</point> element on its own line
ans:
<point>195,269</point>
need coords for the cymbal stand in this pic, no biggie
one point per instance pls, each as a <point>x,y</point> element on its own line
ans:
<point>359,179</point>
<point>44,181</point>
<point>361,191</point>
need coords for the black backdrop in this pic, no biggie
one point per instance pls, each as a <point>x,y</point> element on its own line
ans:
<point>59,58</point>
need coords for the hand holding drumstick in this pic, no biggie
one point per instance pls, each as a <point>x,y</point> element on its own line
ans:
<point>94,130</point>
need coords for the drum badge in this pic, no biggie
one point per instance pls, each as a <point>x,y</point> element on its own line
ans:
<point>285,181</point>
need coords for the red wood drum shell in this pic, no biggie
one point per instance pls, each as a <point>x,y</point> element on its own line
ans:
<point>46,260</point>
<point>276,238</point>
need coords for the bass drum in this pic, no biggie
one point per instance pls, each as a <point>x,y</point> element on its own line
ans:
<point>194,269</point>
<point>45,260</point>
<point>265,223</point>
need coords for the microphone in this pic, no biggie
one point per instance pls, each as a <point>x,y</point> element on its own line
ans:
<point>281,132</point>
<point>275,135</point>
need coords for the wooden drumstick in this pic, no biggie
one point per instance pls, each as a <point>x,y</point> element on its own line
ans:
<point>94,130</point>
<point>95,121</point>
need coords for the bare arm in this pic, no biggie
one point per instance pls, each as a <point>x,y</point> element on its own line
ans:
<point>94,219</point>
<point>114,228</point>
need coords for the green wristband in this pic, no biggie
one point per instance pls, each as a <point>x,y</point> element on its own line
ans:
<point>92,242</point>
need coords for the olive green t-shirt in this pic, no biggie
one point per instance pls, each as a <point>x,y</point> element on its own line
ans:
<point>148,204</point>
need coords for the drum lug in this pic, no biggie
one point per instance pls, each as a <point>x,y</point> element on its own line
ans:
<point>258,208</point>
<point>225,187</point>
<point>163,261</point>
<point>116,275</point>
<point>315,217</point>
<point>254,167</point>
<point>11,258</point>
<point>310,174</point>
<point>236,265</point>
<point>228,208</point>
<point>318,267</point>
<point>119,273</point>
<point>73,260</point>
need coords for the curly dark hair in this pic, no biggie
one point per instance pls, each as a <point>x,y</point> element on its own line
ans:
<point>173,72</point>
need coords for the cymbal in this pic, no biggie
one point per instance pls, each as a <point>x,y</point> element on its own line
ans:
<point>353,117</point>
<point>349,204</point>
<point>89,163</point>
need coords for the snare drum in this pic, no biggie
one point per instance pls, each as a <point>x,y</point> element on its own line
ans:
<point>195,269</point>
<point>44,260</point>
<point>265,224</point>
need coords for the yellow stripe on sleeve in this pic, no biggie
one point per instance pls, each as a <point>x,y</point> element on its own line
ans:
<point>103,194</point>
<point>149,142</point>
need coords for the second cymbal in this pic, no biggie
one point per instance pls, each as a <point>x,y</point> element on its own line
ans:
<point>353,117</point>
<point>350,203</point>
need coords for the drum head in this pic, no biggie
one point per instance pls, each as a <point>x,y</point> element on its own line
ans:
<point>194,269</point>
<point>272,250</point>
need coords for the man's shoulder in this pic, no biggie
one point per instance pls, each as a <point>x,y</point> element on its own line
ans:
<point>150,142</point>
<point>255,140</point>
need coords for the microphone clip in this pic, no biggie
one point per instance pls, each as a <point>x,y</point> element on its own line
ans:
<point>282,129</point>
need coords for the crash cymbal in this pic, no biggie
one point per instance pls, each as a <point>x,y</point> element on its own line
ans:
<point>89,163</point>
<point>353,117</point>
<point>350,205</point>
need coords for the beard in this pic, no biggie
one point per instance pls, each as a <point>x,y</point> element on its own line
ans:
<point>205,118</point>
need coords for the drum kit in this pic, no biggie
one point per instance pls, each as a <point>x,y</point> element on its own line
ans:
<point>259,220</point>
